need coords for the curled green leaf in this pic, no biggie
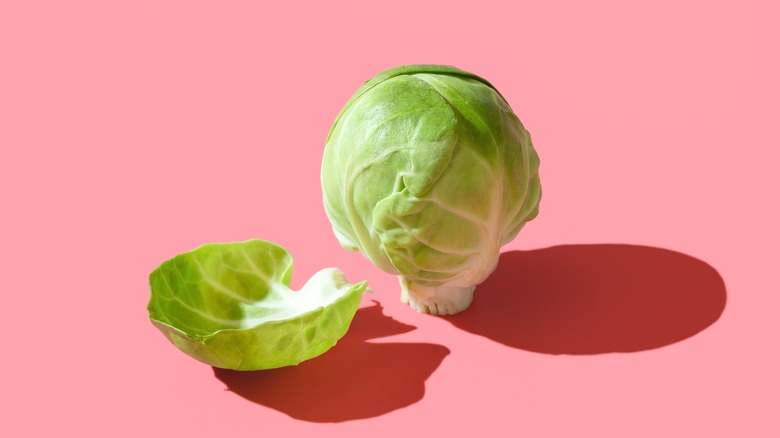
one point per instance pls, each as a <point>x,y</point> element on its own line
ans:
<point>230,305</point>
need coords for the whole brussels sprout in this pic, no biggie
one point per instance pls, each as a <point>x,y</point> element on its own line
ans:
<point>428,172</point>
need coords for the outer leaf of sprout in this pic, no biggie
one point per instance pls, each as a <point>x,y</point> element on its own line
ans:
<point>231,306</point>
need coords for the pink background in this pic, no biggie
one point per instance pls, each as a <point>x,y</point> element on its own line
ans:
<point>133,131</point>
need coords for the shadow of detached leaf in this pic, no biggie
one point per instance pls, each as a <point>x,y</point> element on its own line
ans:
<point>353,380</point>
<point>592,299</point>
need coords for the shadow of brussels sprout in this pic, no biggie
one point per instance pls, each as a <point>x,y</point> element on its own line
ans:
<point>593,299</point>
<point>355,379</point>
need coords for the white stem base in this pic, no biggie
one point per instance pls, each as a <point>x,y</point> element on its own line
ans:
<point>436,300</point>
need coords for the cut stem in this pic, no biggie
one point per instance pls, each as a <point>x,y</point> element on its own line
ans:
<point>436,300</point>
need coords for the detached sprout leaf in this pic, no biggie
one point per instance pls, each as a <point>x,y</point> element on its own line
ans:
<point>230,305</point>
<point>428,172</point>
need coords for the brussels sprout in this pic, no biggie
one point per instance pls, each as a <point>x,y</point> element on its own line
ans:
<point>428,172</point>
<point>230,305</point>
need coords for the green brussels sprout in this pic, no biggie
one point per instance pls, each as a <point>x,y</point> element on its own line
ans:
<point>428,172</point>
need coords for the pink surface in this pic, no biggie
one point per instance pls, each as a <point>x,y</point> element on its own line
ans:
<point>133,131</point>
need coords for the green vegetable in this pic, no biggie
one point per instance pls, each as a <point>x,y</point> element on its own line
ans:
<point>428,172</point>
<point>230,306</point>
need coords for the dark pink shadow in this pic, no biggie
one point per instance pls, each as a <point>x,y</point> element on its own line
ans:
<point>353,380</point>
<point>592,299</point>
